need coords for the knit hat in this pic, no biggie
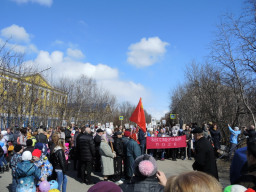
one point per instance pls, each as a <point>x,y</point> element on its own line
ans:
<point>17,148</point>
<point>67,144</point>
<point>36,153</point>
<point>145,166</point>
<point>26,156</point>
<point>237,188</point>
<point>105,186</point>
<point>127,133</point>
<point>29,142</point>
<point>39,146</point>
<point>236,128</point>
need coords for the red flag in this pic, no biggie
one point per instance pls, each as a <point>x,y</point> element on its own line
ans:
<point>138,116</point>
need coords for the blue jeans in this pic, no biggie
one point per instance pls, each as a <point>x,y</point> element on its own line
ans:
<point>62,180</point>
<point>2,161</point>
<point>14,184</point>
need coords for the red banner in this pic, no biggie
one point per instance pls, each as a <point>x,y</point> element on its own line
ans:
<point>166,142</point>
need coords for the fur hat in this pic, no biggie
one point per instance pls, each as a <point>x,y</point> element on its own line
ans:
<point>145,166</point>
<point>26,156</point>
<point>37,153</point>
<point>236,188</point>
<point>105,186</point>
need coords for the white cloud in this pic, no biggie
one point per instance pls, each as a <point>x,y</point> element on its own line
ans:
<point>127,90</point>
<point>58,42</point>
<point>75,53</point>
<point>146,52</point>
<point>106,76</point>
<point>16,33</point>
<point>41,2</point>
<point>67,67</point>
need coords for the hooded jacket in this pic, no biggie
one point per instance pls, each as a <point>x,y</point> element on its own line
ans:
<point>26,172</point>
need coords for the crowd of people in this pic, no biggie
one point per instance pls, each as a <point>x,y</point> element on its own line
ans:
<point>39,159</point>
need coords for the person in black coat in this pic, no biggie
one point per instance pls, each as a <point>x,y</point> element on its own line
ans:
<point>118,148</point>
<point>58,161</point>
<point>204,155</point>
<point>125,141</point>
<point>86,153</point>
<point>41,137</point>
<point>97,141</point>
<point>216,138</point>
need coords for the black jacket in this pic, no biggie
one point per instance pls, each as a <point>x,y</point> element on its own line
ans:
<point>204,158</point>
<point>149,184</point>
<point>85,147</point>
<point>29,148</point>
<point>216,137</point>
<point>97,141</point>
<point>1,151</point>
<point>41,138</point>
<point>118,146</point>
<point>58,159</point>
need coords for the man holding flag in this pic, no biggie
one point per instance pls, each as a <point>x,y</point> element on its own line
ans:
<point>133,149</point>
<point>138,117</point>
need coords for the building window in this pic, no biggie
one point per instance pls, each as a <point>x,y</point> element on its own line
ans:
<point>47,95</point>
<point>42,94</point>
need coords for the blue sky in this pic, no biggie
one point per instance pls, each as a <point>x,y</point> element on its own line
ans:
<point>135,48</point>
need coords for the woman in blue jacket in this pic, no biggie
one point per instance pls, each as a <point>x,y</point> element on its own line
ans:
<point>233,139</point>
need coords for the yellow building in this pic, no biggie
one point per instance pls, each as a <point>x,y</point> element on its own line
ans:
<point>29,100</point>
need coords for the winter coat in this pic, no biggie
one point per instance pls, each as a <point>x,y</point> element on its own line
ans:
<point>204,158</point>
<point>97,141</point>
<point>16,158</point>
<point>133,151</point>
<point>141,137</point>
<point>238,165</point>
<point>107,158</point>
<point>58,159</point>
<point>29,148</point>
<point>125,141</point>
<point>216,137</point>
<point>85,147</point>
<point>41,138</point>
<point>46,166</point>
<point>118,147</point>
<point>15,137</point>
<point>26,173</point>
<point>150,184</point>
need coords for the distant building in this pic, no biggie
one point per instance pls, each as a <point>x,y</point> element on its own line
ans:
<point>29,100</point>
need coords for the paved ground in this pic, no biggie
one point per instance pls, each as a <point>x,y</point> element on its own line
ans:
<point>168,167</point>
